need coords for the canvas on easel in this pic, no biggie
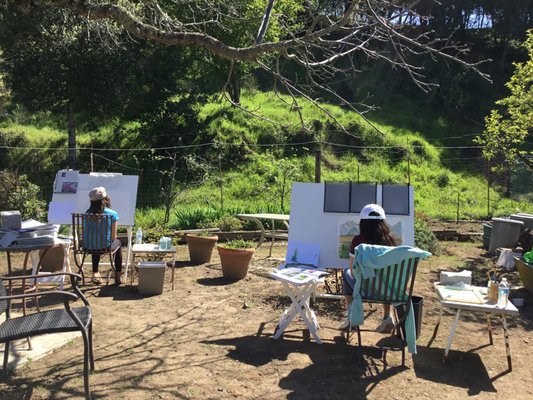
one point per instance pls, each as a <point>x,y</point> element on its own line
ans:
<point>302,253</point>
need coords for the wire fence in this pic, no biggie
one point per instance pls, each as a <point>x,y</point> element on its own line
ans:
<point>155,168</point>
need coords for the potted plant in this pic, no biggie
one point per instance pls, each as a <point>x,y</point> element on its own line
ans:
<point>235,257</point>
<point>201,246</point>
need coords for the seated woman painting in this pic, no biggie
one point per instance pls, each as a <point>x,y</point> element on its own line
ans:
<point>101,204</point>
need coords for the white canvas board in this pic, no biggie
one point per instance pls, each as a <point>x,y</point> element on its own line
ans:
<point>333,232</point>
<point>122,190</point>
<point>61,212</point>
<point>66,181</point>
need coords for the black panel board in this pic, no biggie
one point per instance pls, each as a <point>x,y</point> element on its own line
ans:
<point>362,194</point>
<point>337,197</point>
<point>396,199</point>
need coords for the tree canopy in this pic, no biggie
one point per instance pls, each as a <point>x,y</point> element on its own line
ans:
<point>508,128</point>
<point>322,37</point>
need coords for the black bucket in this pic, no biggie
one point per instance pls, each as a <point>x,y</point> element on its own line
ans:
<point>418,303</point>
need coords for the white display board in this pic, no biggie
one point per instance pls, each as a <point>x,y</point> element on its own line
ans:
<point>71,194</point>
<point>332,231</point>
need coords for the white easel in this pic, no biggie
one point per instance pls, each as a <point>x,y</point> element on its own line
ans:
<point>71,195</point>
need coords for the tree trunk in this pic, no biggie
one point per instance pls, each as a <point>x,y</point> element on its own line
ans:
<point>234,88</point>
<point>72,161</point>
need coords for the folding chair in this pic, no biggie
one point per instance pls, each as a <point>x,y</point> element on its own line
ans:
<point>92,235</point>
<point>66,319</point>
<point>391,285</point>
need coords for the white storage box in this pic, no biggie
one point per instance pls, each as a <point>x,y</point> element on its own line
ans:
<point>10,220</point>
<point>451,278</point>
<point>151,277</point>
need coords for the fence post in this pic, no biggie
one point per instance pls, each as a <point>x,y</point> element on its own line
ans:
<point>457,218</point>
<point>488,188</point>
<point>317,163</point>
<point>220,180</point>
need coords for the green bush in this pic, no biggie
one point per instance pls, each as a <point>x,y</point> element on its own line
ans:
<point>425,238</point>
<point>18,193</point>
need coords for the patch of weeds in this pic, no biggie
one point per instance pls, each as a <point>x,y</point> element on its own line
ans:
<point>425,238</point>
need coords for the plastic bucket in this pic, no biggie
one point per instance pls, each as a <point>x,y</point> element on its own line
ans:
<point>418,303</point>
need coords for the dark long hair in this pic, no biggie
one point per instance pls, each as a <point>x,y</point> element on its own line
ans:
<point>376,231</point>
<point>98,206</point>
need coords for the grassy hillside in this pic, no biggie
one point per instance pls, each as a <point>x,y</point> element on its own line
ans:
<point>260,157</point>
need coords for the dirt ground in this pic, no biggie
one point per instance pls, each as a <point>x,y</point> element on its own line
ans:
<point>212,339</point>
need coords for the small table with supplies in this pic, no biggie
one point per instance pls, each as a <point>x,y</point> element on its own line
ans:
<point>300,284</point>
<point>152,250</point>
<point>472,300</point>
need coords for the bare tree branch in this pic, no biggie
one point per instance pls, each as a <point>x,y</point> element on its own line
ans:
<point>322,37</point>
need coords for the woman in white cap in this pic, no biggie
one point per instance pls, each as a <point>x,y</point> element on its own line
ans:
<point>373,229</point>
<point>100,204</point>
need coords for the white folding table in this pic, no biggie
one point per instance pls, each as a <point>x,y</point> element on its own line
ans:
<point>299,293</point>
<point>149,249</point>
<point>487,307</point>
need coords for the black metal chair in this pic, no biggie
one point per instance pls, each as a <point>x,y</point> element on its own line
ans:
<point>92,236</point>
<point>66,319</point>
<point>391,285</point>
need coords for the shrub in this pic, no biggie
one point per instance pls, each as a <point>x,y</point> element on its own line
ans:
<point>443,180</point>
<point>425,238</point>
<point>152,235</point>
<point>18,193</point>
<point>226,223</point>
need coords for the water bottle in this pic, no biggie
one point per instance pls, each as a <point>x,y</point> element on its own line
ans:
<point>139,236</point>
<point>503,293</point>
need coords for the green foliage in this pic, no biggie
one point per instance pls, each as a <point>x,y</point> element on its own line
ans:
<point>238,244</point>
<point>18,193</point>
<point>507,131</point>
<point>425,238</point>
<point>205,233</point>
<point>152,235</point>
<point>226,223</point>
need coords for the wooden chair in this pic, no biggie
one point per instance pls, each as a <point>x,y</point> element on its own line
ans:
<point>391,285</point>
<point>66,319</point>
<point>92,235</point>
<point>52,259</point>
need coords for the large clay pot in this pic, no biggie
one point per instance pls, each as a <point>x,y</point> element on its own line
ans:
<point>235,262</point>
<point>200,248</point>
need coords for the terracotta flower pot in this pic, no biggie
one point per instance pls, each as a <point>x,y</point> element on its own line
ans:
<point>200,248</point>
<point>235,262</point>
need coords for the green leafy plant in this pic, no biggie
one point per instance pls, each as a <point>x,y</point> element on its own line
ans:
<point>205,233</point>
<point>238,244</point>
